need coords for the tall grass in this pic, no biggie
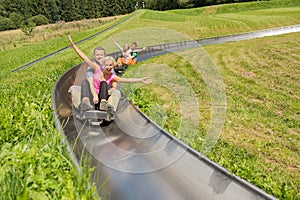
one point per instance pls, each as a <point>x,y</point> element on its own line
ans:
<point>34,162</point>
<point>16,38</point>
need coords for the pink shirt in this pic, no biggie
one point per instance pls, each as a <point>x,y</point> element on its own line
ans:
<point>97,80</point>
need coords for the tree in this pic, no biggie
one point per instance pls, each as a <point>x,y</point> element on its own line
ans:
<point>28,28</point>
<point>3,12</point>
<point>23,11</point>
<point>196,3</point>
<point>17,19</point>
<point>39,20</point>
<point>10,6</point>
<point>52,11</point>
<point>162,4</point>
<point>6,24</point>
<point>68,10</point>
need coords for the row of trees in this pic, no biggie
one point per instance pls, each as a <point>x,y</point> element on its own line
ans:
<point>175,4</point>
<point>163,4</point>
<point>27,13</point>
<point>18,13</point>
<point>201,3</point>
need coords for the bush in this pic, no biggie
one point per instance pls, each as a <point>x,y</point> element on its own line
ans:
<point>17,19</point>
<point>39,20</point>
<point>6,24</point>
<point>163,4</point>
<point>28,28</point>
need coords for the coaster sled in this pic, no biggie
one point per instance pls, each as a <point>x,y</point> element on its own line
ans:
<point>97,117</point>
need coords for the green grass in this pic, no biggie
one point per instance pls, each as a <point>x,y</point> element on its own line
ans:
<point>202,26</point>
<point>261,137</point>
<point>164,16</point>
<point>34,162</point>
<point>11,57</point>
<point>194,27</point>
<point>263,108</point>
<point>261,134</point>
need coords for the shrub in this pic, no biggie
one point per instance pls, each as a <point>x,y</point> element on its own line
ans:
<point>6,24</point>
<point>17,19</point>
<point>28,28</point>
<point>39,20</point>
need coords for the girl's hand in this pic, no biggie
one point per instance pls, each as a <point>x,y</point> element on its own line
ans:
<point>70,39</point>
<point>95,98</point>
<point>146,80</point>
<point>110,91</point>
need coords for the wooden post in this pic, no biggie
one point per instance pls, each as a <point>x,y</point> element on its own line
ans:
<point>3,45</point>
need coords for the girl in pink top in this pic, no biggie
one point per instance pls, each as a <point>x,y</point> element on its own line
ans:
<point>106,78</point>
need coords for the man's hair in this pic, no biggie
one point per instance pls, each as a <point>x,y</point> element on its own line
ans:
<point>99,49</point>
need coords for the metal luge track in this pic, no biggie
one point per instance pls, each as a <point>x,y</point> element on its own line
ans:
<point>136,159</point>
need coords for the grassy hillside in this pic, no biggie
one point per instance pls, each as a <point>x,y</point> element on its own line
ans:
<point>262,86</point>
<point>208,25</point>
<point>261,135</point>
<point>260,139</point>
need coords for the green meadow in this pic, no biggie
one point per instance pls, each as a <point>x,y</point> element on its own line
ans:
<point>260,140</point>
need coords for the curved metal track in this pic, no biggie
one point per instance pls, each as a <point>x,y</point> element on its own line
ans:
<point>135,159</point>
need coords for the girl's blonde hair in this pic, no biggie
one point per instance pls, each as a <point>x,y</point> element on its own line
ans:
<point>108,58</point>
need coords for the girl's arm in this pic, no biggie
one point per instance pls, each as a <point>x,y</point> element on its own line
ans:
<point>114,85</point>
<point>145,80</point>
<point>82,55</point>
<point>118,46</point>
<point>95,96</point>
